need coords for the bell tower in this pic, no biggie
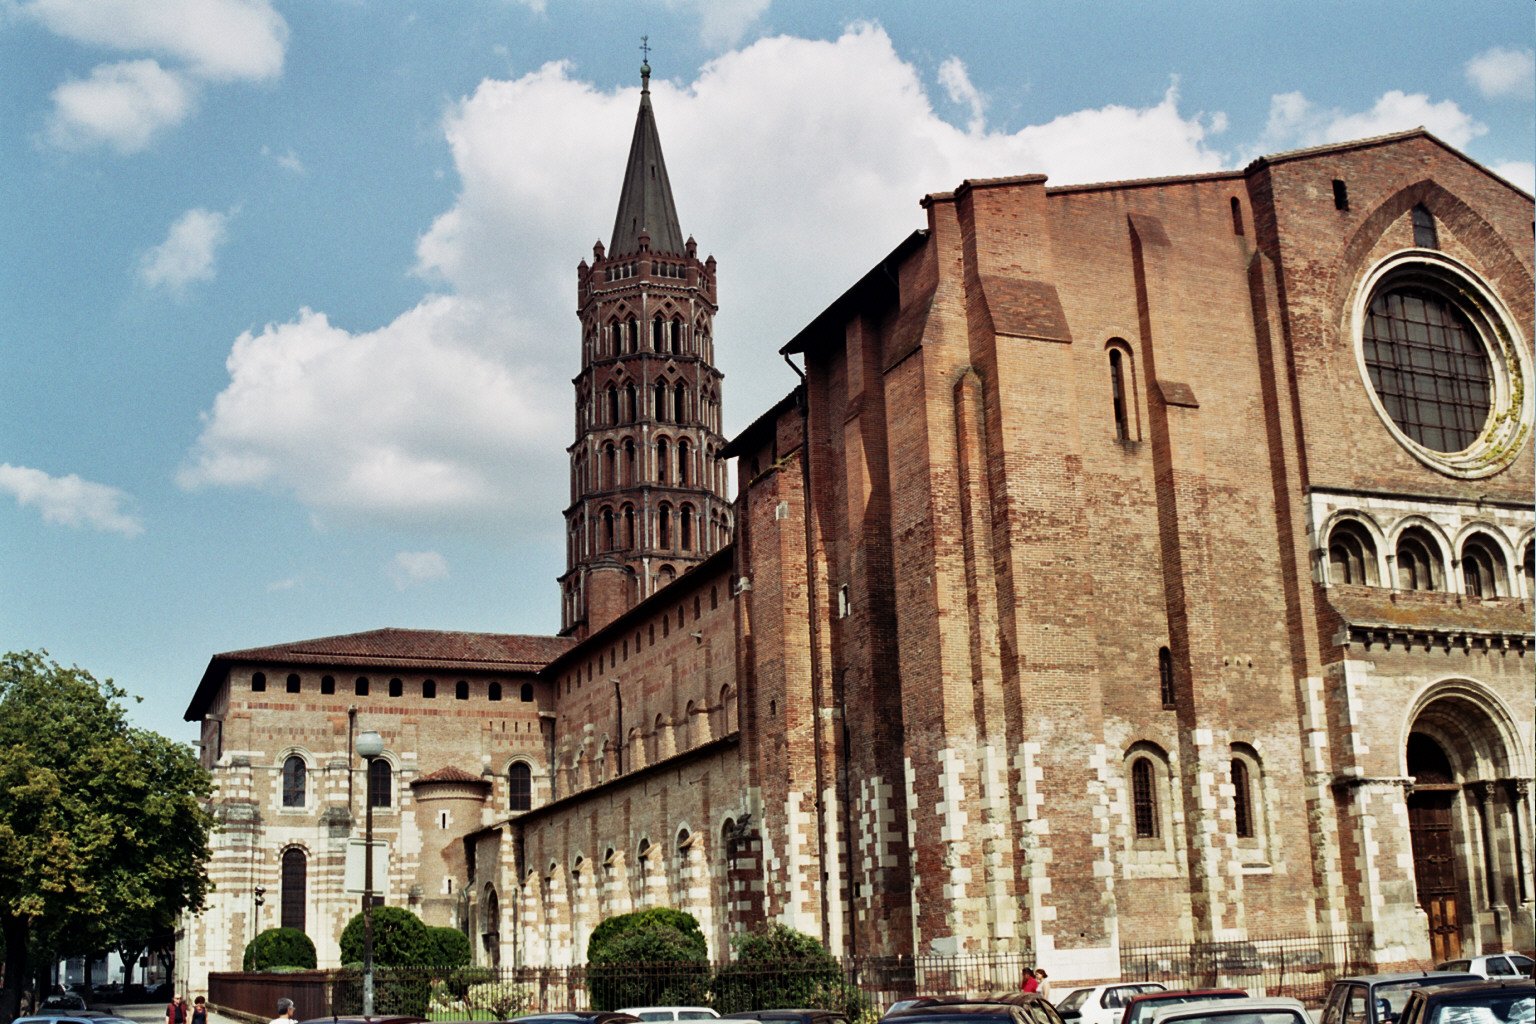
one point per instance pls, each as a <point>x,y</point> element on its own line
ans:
<point>648,485</point>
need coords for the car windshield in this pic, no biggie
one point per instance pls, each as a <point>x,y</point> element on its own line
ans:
<point>695,1015</point>
<point>1075,1000</point>
<point>1396,993</point>
<point>1143,1009</point>
<point>1249,1017</point>
<point>1487,1008</point>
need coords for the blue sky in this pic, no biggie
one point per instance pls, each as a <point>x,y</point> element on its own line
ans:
<point>286,323</point>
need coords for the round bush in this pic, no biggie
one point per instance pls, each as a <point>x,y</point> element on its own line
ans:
<point>655,957</point>
<point>446,947</point>
<point>399,939</point>
<point>779,968</point>
<point>280,947</point>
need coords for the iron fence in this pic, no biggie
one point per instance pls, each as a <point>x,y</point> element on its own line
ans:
<point>1301,966</point>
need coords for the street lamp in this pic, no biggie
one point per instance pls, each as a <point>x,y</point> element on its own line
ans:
<point>369,746</point>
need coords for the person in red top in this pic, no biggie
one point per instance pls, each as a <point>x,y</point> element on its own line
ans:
<point>176,1010</point>
<point>1030,981</point>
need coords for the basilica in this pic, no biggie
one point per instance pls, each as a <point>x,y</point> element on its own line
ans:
<point>1140,560</point>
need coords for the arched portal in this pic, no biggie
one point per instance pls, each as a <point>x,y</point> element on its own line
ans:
<point>1465,808</point>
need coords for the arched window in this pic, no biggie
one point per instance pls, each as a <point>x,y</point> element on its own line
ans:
<point>664,526</point>
<point>611,397</point>
<point>685,527</point>
<point>680,407</point>
<point>327,685</point>
<point>684,454</point>
<point>1418,567</point>
<point>396,688</point>
<point>1481,567</point>
<point>628,539</point>
<point>659,399</point>
<point>526,693</point>
<point>360,686</point>
<point>380,783</point>
<point>1117,394</point>
<point>294,686</point>
<point>295,880</point>
<point>607,529</point>
<point>630,475</point>
<point>1144,798</point>
<point>1242,799</point>
<point>295,782</point>
<point>520,787</point>
<point>679,336</point>
<point>632,335</point>
<point>259,682</point>
<point>630,403</point>
<point>493,692</point>
<point>461,690</point>
<point>665,575</point>
<point>1165,677</point>
<point>1237,216</point>
<point>429,689</point>
<point>663,457</point>
<point>1351,555</point>
<point>610,465</point>
<point>1528,569</point>
<point>658,334</point>
<point>609,346</point>
<point>1425,235</point>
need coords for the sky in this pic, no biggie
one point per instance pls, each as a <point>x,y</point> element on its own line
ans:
<point>287,317</point>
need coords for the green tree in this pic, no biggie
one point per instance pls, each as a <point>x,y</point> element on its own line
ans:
<point>446,947</point>
<point>103,827</point>
<point>399,939</point>
<point>655,957</point>
<point>779,968</point>
<point>279,947</point>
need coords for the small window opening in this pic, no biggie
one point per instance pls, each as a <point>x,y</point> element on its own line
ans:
<point>328,685</point>
<point>360,686</point>
<point>293,682</point>
<point>259,682</point>
<point>1237,216</point>
<point>1242,804</point>
<point>429,689</point>
<point>461,690</point>
<point>396,688</point>
<point>1117,393</point>
<point>526,693</point>
<point>1425,234</point>
<point>493,692</point>
<point>1165,676</point>
<point>1144,798</point>
<point>1340,194</point>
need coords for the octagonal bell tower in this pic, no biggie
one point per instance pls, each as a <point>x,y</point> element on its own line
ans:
<point>648,486</point>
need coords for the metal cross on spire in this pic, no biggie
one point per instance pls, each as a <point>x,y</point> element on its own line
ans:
<point>645,64</point>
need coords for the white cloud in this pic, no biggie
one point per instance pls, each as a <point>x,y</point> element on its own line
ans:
<point>722,23</point>
<point>1504,72</point>
<point>458,412</point>
<point>1296,122</point>
<point>278,586</point>
<point>121,105</point>
<point>288,160</point>
<point>218,40</point>
<point>70,500</point>
<point>1521,173</point>
<point>188,252</point>
<point>957,82</point>
<point>409,568</point>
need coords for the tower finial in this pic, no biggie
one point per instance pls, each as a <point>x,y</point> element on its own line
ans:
<point>645,64</point>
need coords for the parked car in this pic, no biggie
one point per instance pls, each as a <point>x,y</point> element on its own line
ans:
<point>77,1017</point>
<point>1103,1004</point>
<point>1492,965</point>
<point>907,1004</point>
<point>1274,1010</point>
<point>1379,998</point>
<point>671,1012</point>
<point>1479,1002</point>
<point>64,1001</point>
<point>799,1016</point>
<point>1139,1010</point>
<point>1010,1008</point>
<point>360,1019</point>
<point>579,1017</point>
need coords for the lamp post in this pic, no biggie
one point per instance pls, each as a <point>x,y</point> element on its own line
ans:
<point>369,746</point>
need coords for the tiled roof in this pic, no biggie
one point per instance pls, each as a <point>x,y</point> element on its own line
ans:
<point>428,649</point>
<point>450,774</point>
<point>1429,612</point>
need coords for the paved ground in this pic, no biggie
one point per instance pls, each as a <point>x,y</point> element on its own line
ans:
<point>151,1013</point>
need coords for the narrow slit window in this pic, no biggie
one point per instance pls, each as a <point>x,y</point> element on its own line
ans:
<point>1425,234</point>
<point>1117,394</point>
<point>1144,798</point>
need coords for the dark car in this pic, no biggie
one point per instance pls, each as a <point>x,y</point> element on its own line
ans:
<point>66,1001</point>
<point>798,1016</point>
<point>1139,1010</point>
<point>1379,998</point>
<point>579,1017</point>
<point>1001,1008</point>
<point>357,1018</point>
<point>1480,1002</point>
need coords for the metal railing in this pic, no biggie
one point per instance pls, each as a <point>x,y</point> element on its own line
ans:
<point>1301,966</point>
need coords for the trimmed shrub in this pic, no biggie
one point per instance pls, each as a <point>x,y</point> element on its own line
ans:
<point>780,968</point>
<point>399,939</point>
<point>280,948</point>
<point>655,957</point>
<point>502,999</point>
<point>446,947</point>
<point>396,990</point>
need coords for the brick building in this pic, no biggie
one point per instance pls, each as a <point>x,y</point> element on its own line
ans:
<point>1140,560</point>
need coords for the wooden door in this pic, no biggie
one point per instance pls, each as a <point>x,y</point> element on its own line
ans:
<point>1434,868</point>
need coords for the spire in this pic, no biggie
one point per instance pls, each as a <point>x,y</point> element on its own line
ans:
<point>645,202</point>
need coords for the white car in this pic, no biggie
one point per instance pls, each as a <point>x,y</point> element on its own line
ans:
<point>1492,966</point>
<point>672,1012</point>
<point>1259,1010</point>
<point>1102,1004</point>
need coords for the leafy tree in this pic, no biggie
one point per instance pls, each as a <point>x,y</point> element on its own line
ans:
<point>446,947</point>
<point>779,968</point>
<point>399,939</point>
<point>654,957</point>
<point>103,827</point>
<point>279,947</point>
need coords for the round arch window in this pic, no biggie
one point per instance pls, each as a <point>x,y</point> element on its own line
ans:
<point>1444,363</point>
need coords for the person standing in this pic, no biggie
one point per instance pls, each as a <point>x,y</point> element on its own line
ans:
<point>1042,985</point>
<point>284,1011</point>
<point>1031,983</point>
<point>176,1010</point>
<point>200,1010</point>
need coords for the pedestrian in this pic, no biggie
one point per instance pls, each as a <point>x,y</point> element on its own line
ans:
<point>200,1010</point>
<point>176,1010</point>
<point>1041,984</point>
<point>284,1011</point>
<point>1031,983</point>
